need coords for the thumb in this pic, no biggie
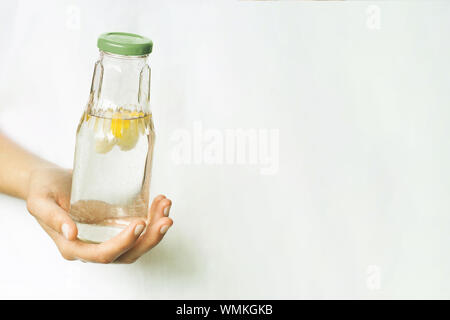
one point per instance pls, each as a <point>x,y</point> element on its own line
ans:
<point>49,212</point>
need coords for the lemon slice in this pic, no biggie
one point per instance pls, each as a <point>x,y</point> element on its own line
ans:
<point>123,129</point>
<point>104,141</point>
<point>130,135</point>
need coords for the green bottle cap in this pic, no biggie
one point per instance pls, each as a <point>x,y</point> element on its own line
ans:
<point>126,44</point>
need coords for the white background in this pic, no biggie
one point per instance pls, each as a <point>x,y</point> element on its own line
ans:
<point>359,207</point>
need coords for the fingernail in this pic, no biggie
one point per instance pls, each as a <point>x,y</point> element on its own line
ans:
<point>65,230</point>
<point>166,211</point>
<point>164,229</point>
<point>138,229</point>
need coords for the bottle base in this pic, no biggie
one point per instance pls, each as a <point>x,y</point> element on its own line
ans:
<point>94,233</point>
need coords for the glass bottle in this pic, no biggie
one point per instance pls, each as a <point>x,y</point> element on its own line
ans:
<point>115,139</point>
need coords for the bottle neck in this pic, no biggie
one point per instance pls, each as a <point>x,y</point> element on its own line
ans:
<point>121,82</point>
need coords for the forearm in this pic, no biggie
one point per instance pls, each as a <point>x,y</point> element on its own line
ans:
<point>16,165</point>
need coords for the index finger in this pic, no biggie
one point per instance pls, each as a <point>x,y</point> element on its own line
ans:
<point>49,212</point>
<point>107,251</point>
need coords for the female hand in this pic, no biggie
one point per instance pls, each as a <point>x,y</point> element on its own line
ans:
<point>48,200</point>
